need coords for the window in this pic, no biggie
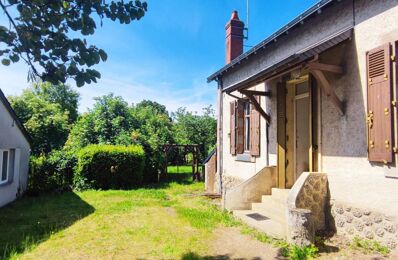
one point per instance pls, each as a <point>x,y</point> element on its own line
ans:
<point>4,165</point>
<point>247,110</point>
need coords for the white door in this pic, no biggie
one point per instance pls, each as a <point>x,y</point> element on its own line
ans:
<point>302,129</point>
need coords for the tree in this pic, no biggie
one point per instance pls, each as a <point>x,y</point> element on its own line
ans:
<point>40,33</point>
<point>61,94</point>
<point>46,122</point>
<point>109,122</point>
<point>154,129</point>
<point>47,111</point>
<point>191,128</point>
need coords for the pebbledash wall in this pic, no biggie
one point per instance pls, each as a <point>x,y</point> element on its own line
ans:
<point>12,138</point>
<point>364,195</point>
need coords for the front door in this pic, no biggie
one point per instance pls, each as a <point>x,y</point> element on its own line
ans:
<point>301,129</point>
<point>297,129</point>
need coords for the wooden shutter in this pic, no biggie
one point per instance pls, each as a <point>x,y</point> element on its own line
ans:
<point>379,117</point>
<point>233,127</point>
<point>240,127</point>
<point>255,130</point>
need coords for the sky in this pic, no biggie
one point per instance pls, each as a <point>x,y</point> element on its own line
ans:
<point>169,53</point>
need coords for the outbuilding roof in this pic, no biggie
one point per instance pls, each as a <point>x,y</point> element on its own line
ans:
<point>21,127</point>
<point>315,9</point>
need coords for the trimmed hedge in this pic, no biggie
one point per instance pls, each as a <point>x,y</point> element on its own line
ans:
<point>109,167</point>
<point>52,172</point>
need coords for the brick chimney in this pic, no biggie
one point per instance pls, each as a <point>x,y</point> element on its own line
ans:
<point>234,37</point>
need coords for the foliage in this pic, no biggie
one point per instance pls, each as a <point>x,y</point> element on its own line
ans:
<point>109,122</point>
<point>47,111</point>
<point>295,252</point>
<point>52,172</point>
<point>61,94</point>
<point>154,129</point>
<point>369,246</point>
<point>190,128</point>
<point>42,33</point>
<point>109,167</point>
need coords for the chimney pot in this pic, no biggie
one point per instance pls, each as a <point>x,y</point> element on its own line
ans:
<point>234,37</point>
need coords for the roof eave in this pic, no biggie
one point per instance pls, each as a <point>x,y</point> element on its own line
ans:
<point>274,37</point>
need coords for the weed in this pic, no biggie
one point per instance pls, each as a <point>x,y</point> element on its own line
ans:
<point>369,246</point>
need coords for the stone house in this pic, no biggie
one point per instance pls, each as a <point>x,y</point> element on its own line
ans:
<point>308,123</point>
<point>15,146</point>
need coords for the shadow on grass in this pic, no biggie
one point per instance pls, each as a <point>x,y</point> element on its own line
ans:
<point>31,220</point>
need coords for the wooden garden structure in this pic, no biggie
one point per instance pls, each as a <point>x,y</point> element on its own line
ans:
<point>187,148</point>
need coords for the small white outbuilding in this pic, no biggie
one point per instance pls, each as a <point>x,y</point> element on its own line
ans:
<point>15,146</point>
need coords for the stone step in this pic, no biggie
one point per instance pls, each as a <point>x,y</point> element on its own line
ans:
<point>273,210</point>
<point>261,223</point>
<point>268,198</point>
<point>280,193</point>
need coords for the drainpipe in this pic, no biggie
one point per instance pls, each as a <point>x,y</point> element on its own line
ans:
<point>219,133</point>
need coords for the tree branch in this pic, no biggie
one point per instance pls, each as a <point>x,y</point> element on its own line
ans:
<point>19,36</point>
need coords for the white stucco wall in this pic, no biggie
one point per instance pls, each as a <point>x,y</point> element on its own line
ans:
<point>12,138</point>
<point>239,169</point>
<point>352,178</point>
<point>343,145</point>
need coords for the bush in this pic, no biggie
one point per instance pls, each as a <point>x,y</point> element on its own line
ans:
<point>109,167</point>
<point>52,172</point>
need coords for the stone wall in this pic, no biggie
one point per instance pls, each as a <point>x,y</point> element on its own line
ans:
<point>351,222</point>
<point>306,208</point>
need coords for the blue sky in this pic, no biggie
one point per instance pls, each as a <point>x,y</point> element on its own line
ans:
<point>168,55</point>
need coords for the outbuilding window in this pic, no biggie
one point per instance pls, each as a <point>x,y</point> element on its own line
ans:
<point>4,166</point>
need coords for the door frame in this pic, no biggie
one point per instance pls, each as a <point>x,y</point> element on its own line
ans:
<point>287,177</point>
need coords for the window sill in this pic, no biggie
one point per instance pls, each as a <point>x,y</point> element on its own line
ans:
<point>5,183</point>
<point>245,157</point>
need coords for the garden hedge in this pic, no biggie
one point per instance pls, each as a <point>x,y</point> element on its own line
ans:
<point>109,167</point>
<point>51,172</point>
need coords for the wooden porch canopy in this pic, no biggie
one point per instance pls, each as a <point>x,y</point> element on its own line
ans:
<point>305,58</point>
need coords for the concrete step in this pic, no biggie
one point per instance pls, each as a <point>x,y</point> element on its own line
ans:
<point>272,209</point>
<point>261,223</point>
<point>268,198</point>
<point>280,193</point>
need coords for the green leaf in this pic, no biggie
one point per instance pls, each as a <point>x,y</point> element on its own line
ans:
<point>5,62</point>
<point>66,4</point>
<point>103,55</point>
<point>14,58</point>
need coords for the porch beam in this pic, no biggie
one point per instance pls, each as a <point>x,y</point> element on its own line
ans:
<point>329,90</point>
<point>258,107</point>
<point>255,92</point>
<point>315,65</point>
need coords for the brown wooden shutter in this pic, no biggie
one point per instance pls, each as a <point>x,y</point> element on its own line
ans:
<point>233,127</point>
<point>255,130</point>
<point>240,128</point>
<point>379,117</point>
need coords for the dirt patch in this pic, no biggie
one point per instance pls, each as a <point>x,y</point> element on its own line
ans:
<point>229,243</point>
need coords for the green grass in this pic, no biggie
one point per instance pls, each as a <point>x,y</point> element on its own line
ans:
<point>166,220</point>
<point>369,246</point>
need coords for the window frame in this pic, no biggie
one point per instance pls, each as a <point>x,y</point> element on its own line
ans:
<point>8,165</point>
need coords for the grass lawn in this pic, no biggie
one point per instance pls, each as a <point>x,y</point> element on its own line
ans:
<point>169,220</point>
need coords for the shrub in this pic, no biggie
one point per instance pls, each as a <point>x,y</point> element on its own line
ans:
<point>109,167</point>
<point>52,172</point>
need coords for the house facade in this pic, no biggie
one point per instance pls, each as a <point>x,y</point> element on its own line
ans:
<point>14,154</point>
<point>308,122</point>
